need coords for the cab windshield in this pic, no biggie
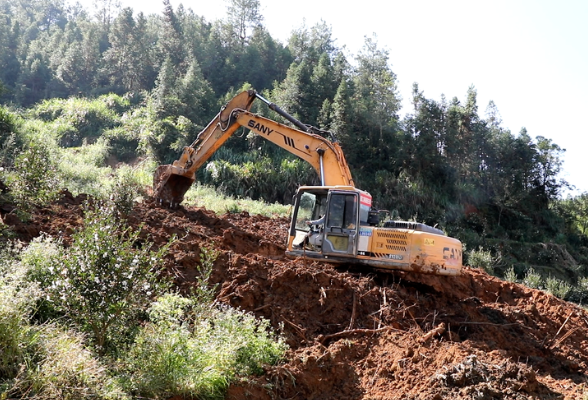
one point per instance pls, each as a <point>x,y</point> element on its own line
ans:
<point>311,207</point>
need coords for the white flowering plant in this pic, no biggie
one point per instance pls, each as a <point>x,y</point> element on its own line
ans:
<point>34,180</point>
<point>107,276</point>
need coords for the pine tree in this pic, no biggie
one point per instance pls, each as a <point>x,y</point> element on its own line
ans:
<point>244,16</point>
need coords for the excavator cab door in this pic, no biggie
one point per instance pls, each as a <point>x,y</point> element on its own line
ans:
<point>341,224</point>
<point>310,205</point>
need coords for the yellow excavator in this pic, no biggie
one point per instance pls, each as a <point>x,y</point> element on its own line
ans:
<point>333,222</point>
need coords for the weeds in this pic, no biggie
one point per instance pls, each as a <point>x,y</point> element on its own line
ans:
<point>65,369</point>
<point>557,287</point>
<point>17,301</point>
<point>125,189</point>
<point>190,346</point>
<point>104,279</point>
<point>203,292</point>
<point>510,275</point>
<point>179,353</point>
<point>482,259</point>
<point>533,279</point>
<point>83,169</point>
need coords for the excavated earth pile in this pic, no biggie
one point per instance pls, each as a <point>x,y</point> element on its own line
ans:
<point>358,334</point>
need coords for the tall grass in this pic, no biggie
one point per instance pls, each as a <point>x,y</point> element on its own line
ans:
<point>195,352</point>
<point>17,301</point>
<point>62,367</point>
<point>212,199</point>
<point>83,169</point>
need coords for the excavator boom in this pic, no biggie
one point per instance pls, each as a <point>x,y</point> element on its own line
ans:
<point>171,182</point>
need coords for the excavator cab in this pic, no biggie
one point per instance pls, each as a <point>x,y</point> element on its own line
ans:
<point>344,209</point>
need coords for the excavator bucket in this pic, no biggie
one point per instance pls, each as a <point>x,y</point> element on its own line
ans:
<point>169,186</point>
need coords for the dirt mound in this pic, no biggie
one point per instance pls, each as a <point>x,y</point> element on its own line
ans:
<point>359,334</point>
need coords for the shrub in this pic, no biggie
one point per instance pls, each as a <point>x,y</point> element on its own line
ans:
<point>125,189</point>
<point>557,287</point>
<point>83,118</point>
<point>579,293</point>
<point>510,275</point>
<point>42,258</point>
<point>533,279</point>
<point>17,301</point>
<point>193,348</point>
<point>105,278</point>
<point>260,178</point>
<point>64,369</point>
<point>34,180</point>
<point>482,259</point>
<point>180,353</point>
<point>203,292</point>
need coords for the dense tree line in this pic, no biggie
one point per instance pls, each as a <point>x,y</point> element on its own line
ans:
<point>443,162</point>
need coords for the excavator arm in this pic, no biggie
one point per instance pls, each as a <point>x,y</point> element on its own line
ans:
<point>171,182</point>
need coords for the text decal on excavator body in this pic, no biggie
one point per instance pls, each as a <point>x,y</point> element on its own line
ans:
<point>259,127</point>
<point>289,141</point>
<point>451,253</point>
<point>267,131</point>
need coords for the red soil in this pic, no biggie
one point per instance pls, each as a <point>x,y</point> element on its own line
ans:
<point>359,334</point>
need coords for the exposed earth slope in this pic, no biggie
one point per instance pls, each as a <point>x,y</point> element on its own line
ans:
<point>356,334</point>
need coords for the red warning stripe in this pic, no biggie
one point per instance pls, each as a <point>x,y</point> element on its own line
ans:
<point>365,199</point>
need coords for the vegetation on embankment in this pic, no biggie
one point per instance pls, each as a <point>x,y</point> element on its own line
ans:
<point>98,318</point>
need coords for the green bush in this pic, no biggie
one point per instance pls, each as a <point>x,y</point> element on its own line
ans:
<point>510,275</point>
<point>482,259</point>
<point>125,188</point>
<point>17,301</point>
<point>181,353</point>
<point>260,178</point>
<point>533,279</point>
<point>11,142</point>
<point>203,292</point>
<point>63,368</point>
<point>42,257</point>
<point>80,118</point>
<point>106,277</point>
<point>124,143</point>
<point>34,180</point>
<point>579,293</point>
<point>557,287</point>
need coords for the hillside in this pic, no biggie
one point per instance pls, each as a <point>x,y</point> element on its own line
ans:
<point>359,334</point>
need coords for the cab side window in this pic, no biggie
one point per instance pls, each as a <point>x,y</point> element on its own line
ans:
<point>342,211</point>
